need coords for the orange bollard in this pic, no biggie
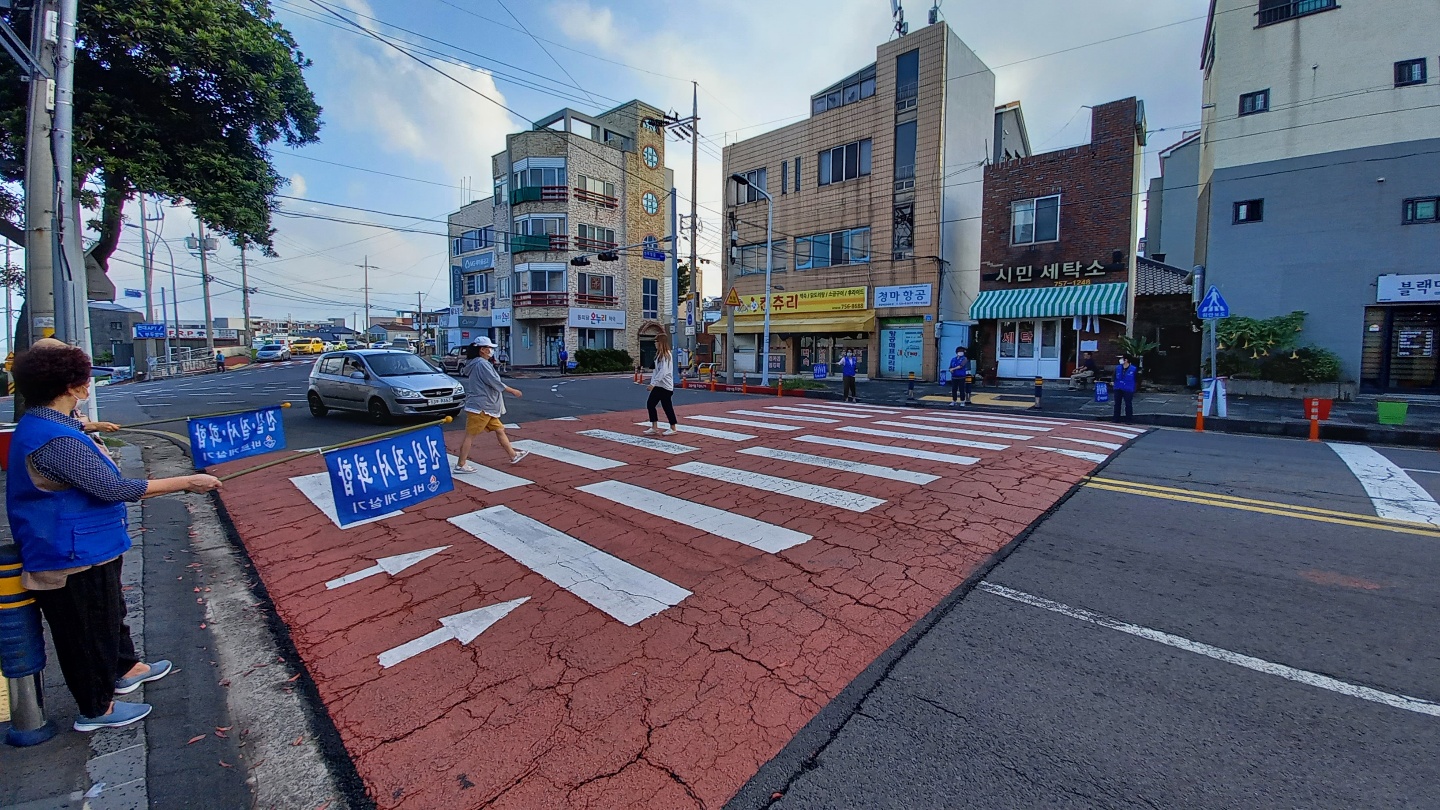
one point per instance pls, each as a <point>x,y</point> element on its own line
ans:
<point>744,383</point>
<point>1200,412</point>
<point>1312,407</point>
<point>779,386</point>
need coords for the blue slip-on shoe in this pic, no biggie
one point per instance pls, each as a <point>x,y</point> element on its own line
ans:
<point>121,714</point>
<point>158,670</point>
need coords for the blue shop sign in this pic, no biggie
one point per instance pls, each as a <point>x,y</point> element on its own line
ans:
<point>382,476</point>
<point>482,261</point>
<point>217,439</point>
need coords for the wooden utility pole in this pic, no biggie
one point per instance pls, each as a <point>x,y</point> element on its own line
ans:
<point>40,180</point>
<point>366,268</point>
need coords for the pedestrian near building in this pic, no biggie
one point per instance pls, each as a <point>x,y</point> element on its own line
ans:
<point>219,360</point>
<point>1125,384</point>
<point>1085,373</point>
<point>959,368</point>
<point>66,502</point>
<point>564,359</point>
<point>662,386</point>
<point>848,366</point>
<point>503,358</point>
<point>484,403</point>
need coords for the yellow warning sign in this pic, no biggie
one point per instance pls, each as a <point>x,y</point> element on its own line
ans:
<point>733,299</point>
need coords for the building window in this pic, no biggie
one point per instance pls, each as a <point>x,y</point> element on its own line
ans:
<point>784,176</point>
<point>1411,71</point>
<point>540,226</point>
<point>1273,11</point>
<point>596,238</point>
<point>502,191</point>
<point>649,297</point>
<point>907,79</point>
<point>1256,102</point>
<point>1036,220</point>
<point>905,156</point>
<point>902,244</point>
<point>850,90</point>
<point>833,249</point>
<point>750,193</point>
<point>1249,211</point>
<point>845,162</point>
<point>1424,209</point>
<point>596,290</point>
<point>597,338</point>
<point>797,175</point>
<point>547,281</point>
<point>751,258</point>
<point>504,287</point>
<point>530,178</point>
<point>595,186</point>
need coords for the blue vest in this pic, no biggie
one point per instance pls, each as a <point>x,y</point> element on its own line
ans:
<point>66,529</point>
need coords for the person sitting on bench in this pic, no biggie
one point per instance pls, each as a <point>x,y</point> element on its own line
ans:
<point>1085,373</point>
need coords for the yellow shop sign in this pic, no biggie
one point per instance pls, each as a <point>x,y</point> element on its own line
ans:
<point>839,299</point>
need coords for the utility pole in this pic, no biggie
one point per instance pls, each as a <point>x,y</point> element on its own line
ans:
<point>245,297</point>
<point>730,311</point>
<point>9,317</point>
<point>695,288</point>
<point>420,318</point>
<point>70,275</point>
<point>366,268</point>
<point>40,179</point>
<point>147,261</point>
<point>204,245</point>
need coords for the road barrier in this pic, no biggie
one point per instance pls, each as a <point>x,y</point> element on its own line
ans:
<point>22,654</point>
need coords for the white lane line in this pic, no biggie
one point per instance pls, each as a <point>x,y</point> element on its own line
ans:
<point>978,423</point>
<point>1091,442</point>
<point>316,487</point>
<point>568,456</point>
<point>723,420</point>
<point>744,530</point>
<point>1395,495</point>
<point>566,419</point>
<point>859,467</point>
<point>728,435</point>
<point>1301,676</point>
<point>885,449</point>
<point>1109,432</point>
<point>814,493</point>
<point>640,441</point>
<point>891,434</point>
<point>625,592</point>
<point>956,430</point>
<point>794,418</point>
<point>486,478</point>
<point>1411,469</point>
<point>1095,457</point>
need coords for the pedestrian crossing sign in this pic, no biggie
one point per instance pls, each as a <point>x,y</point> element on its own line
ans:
<point>733,299</point>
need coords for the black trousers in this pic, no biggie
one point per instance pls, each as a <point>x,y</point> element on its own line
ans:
<point>661,396</point>
<point>1129,398</point>
<point>92,642</point>
<point>848,388</point>
<point>957,388</point>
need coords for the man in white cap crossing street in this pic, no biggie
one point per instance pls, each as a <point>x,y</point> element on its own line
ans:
<point>484,403</point>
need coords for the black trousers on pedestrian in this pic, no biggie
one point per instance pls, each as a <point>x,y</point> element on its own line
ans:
<point>957,388</point>
<point>1128,397</point>
<point>661,396</point>
<point>848,387</point>
<point>92,642</point>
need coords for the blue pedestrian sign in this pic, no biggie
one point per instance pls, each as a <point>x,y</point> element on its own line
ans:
<point>217,439</point>
<point>1213,306</point>
<point>386,475</point>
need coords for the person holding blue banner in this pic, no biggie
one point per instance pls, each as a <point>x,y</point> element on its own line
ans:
<point>484,403</point>
<point>66,503</point>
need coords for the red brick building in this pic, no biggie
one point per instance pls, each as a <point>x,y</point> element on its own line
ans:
<point>1057,251</point>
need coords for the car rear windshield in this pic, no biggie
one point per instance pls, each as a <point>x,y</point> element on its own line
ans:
<point>398,365</point>
<point>271,347</point>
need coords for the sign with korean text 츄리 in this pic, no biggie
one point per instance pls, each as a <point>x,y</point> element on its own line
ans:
<point>905,295</point>
<point>385,475</point>
<point>1057,272</point>
<point>217,439</point>
<point>1417,287</point>
<point>840,299</point>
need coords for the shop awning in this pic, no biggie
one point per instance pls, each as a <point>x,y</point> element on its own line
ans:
<point>1050,302</point>
<point>838,322</point>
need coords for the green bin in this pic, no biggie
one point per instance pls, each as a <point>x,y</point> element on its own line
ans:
<point>1392,413</point>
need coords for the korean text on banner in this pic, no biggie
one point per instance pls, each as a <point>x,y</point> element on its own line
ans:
<point>382,476</point>
<point>225,438</point>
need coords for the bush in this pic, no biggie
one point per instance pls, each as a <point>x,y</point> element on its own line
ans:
<point>805,384</point>
<point>589,360</point>
<point>1310,364</point>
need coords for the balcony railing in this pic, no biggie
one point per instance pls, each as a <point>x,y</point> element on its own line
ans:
<point>1279,12</point>
<point>541,299</point>
<point>594,245</point>
<point>589,300</point>
<point>604,200</point>
<point>521,243</point>
<point>539,194</point>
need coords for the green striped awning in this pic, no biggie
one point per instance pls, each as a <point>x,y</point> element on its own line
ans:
<point>1050,302</point>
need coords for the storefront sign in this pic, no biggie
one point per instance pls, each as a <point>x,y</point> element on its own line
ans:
<point>483,261</point>
<point>907,295</point>
<point>595,318</point>
<point>1425,287</point>
<point>199,334</point>
<point>1415,343</point>
<point>479,303</point>
<point>1057,272</point>
<point>832,300</point>
<point>900,350</point>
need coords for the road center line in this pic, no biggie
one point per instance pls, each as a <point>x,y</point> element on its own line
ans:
<point>739,528</point>
<point>860,467</point>
<point>1394,494</point>
<point>815,493</point>
<point>1301,676</point>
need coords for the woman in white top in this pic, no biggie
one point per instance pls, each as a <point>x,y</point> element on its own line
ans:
<point>662,385</point>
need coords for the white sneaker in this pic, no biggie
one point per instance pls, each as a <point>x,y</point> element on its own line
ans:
<point>519,454</point>
<point>670,432</point>
<point>650,431</point>
<point>463,468</point>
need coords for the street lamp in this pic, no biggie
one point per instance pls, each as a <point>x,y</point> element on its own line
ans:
<point>769,239</point>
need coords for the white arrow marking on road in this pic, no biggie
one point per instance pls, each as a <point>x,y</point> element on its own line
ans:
<point>385,565</point>
<point>463,627</point>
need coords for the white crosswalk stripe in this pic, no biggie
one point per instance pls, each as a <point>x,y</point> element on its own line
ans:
<point>817,412</point>
<point>1091,442</point>
<point>728,435</point>
<point>316,487</point>
<point>814,493</point>
<point>887,450</point>
<point>566,455</point>
<point>1120,433</point>
<point>640,441</point>
<point>794,418</point>
<point>743,422</point>
<point>979,422</point>
<point>1095,457</point>
<point>486,478</point>
<point>625,592</point>
<point>847,409</point>
<point>1028,420</point>
<point>858,406</point>
<point>858,467</point>
<point>918,437</point>
<point>956,430</point>
<point>739,528</point>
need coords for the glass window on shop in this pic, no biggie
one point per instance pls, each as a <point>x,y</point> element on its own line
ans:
<point>1399,349</point>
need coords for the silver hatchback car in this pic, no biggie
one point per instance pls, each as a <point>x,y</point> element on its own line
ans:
<point>383,384</point>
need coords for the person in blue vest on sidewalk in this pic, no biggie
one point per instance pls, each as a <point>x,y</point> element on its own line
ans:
<point>848,366</point>
<point>1125,383</point>
<point>959,368</point>
<point>66,503</point>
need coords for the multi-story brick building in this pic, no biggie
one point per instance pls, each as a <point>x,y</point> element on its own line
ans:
<point>877,201</point>
<point>574,185</point>
<point>1060,230</point>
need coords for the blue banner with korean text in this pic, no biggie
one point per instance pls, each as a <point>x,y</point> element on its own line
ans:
<point>386,475</point>
<point>225,438</point>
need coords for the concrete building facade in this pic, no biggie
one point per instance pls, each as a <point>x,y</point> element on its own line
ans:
<point>877,201</point>
<point>1171,204</point>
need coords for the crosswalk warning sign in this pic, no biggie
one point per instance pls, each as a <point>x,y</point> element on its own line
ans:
<point>733,299</point>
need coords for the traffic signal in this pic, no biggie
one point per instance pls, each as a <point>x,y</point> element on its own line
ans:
<point>580,261</point>
<point>609,256</point>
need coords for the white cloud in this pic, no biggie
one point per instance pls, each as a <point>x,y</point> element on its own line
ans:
<point>298,187</point>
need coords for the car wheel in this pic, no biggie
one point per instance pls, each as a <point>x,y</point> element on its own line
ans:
<point>379,414</point>
<point>317,406</point>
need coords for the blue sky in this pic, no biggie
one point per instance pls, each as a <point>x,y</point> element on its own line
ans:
<point>400,138</point>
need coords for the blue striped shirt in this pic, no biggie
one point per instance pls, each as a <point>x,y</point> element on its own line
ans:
<point>78,463</point>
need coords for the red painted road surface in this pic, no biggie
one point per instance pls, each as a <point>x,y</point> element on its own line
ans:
<point>562,704</point>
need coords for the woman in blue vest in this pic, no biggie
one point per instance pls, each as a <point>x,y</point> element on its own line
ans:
<point>1125,384</point>
<point>66,503</point>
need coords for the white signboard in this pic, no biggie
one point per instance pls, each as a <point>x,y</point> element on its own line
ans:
<point>597,318</point>
<point>1423,287</point>
<point>905,295</point>
<point>199,334</point>
<point>501,317</point>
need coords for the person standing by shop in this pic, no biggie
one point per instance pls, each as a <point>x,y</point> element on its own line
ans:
<point>219,360</point>
<point>66,503</point>
<point>484,403</point>
<point>959,368</point>
<point>848,367</point>
<point>564,358</point>
<point>1125,384</point>
<point>662,386</point>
